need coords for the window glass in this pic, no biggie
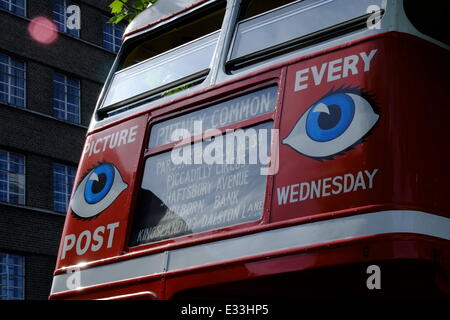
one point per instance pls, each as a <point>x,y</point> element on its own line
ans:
<point>12,81</point>
<point>294,21</point>
<point>217,181</point>
<point>63,179</point>
<point>220,115</point>
<point>112,35</point>
<point>66,98</point>
<point>12,277</point>
<point>251,8</point>
<point>16,6</point>
<point>12,177</point>
<point>181,199</point>
<point>61,16</point>
<point>168,57</point>
<point>180,63</point>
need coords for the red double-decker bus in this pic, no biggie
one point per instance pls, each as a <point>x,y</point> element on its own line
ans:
<point>281,149</point>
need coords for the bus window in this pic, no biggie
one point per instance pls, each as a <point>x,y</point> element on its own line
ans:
<point>251,8</point>
<point>183,194</point>
<point>220,115</point>
<point>171,56</point>
<point>293,26</point>
<point>429,18</point>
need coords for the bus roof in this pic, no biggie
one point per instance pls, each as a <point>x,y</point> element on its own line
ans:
<point>158,12</point>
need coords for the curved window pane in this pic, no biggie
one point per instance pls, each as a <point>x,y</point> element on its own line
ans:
<point>294,21</point>
<point>161,70</point>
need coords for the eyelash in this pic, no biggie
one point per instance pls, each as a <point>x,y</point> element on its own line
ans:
<point>318,143</point>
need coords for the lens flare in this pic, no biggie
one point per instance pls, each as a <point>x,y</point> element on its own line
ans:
<point>42,30</point>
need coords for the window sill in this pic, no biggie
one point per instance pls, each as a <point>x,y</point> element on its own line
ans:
<point>21,206</point>
<point>24,109</point>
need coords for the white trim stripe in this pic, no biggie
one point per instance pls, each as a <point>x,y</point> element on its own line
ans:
<point>383,222</point>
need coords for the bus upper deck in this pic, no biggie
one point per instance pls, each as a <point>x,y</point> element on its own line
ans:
<point>239,143</point>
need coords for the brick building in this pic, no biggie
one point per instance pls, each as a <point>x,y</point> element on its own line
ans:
<point>49,85</point>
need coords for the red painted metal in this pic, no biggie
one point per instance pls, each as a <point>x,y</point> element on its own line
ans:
<point>407,146</point>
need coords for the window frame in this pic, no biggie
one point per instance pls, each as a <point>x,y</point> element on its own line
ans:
<point>147,152</point>
<point>9,75</point>
<point>24,178</point>
<point>10,5</point>
<point>114,38</point>
<point>163,89</point>
<point>104,111</point>
<point>67,193</point>
<point>236,64</point>
<point>7,275</point>
<point>66,93</point>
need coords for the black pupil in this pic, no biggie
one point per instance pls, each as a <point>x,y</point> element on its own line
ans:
<point>328,121</point>
<point>98,186</point>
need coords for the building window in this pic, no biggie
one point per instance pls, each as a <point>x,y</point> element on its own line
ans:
<point>67,21</point>
<point>12,81</point>
<point>63,178</point>
<point>112,35</point>
<point>12,177</point>
<point>12,277</point>
<point>66,98</point>
<point>16,6</point>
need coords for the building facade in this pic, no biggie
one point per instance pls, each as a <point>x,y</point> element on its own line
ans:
<point>54,57</point>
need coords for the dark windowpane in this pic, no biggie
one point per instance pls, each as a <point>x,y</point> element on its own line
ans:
<point>66,98</point>
<point>62,186</point>
<point>12,177</point>
<point>429,18</point>
<point>176,200</point>
<point>12,282</point>
<point>294,21</point>
<point>175,56</point>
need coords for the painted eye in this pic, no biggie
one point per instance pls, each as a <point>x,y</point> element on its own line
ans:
<point>97,191</point>
<point>333,125</point>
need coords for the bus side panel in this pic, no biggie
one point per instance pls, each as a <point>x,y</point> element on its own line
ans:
<point>144,289</point>
<point>365,128</point>
<point>97,216</point>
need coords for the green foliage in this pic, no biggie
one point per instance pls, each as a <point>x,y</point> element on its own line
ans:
<point>127,10</point>
<point>178,89</point>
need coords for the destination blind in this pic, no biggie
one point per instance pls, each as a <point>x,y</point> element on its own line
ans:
<point>181,199</point>
<point>219,115</point>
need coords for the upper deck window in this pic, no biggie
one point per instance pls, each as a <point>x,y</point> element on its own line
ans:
<point>220,186</point>
<point>172,55</point>
<point>261,35</point>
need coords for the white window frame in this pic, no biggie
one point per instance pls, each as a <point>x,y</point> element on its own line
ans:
<point>12,3</point>
<point>24,178</point>
<point>67,192</point>
<point>65,102</point>
<point>114,39</point>
<point>22,265</point>
<point>10,86</point>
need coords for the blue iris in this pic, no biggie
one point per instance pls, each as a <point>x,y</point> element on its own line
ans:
<point>330,117</point>
<point>99,183</point>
